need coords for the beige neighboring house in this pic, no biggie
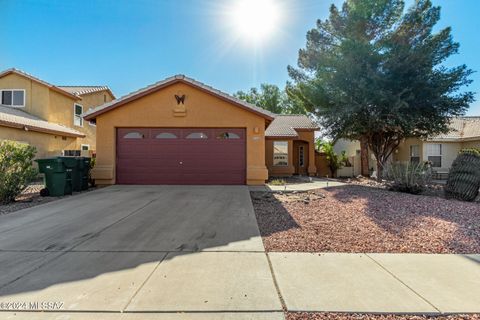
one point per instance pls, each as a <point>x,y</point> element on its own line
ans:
<point>440,150</point>
<point>47,116</point>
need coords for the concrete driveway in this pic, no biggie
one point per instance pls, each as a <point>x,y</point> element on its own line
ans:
<point>131,249</point>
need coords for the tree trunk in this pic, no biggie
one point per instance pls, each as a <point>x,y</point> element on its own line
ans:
<point>379,170</point>
<point>365,170</point>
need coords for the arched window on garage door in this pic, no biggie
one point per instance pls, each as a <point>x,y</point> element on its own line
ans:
<point>134,135</point>
<point>227,135</point>
<point>166,135</point>
<point>197,135</point>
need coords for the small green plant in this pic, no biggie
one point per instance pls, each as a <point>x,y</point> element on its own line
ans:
<point>464,177</point>
<point>408,177</point>
<point>335,161</point>
<point>16,169</point>
<point>278,182</point>
<point>93,161</point>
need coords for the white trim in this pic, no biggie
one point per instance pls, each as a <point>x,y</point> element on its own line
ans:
<point>12,105</point>
<point>440,154</point>
<point>84,145</point>
<point>75,115</point>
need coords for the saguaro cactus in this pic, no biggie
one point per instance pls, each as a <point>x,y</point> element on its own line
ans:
<point>464,178</point>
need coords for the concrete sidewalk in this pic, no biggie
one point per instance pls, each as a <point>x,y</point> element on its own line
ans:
<point>315,183</point>
<point>378,283</point>
<point>195,252</point>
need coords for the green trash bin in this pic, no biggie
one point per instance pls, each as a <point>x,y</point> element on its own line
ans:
<point>84,166</point>
<point>73,172</point>
<point>55,177</point>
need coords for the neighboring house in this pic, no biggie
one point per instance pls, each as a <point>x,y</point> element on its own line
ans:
<point>443,149</point>
<point>440,150</point>
<point>47,116</point>
<point>181,131</point>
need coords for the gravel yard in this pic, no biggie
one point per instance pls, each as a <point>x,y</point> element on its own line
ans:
<point>339,316</point>
<point>30,197</point>
<point>357,218</point>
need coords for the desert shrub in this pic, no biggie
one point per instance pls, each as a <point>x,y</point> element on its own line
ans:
<point>278,182</point>
<point>408,177</point>
<point>16,169</point>
<point>464,177</point>
<point>335,161</point>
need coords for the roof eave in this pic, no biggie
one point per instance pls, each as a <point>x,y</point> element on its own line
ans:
<point>280,137</point>
<point>46,84</point>
<point>306,129</point>
<point>168,82</point>
<point>39,129</point>
<point>92,92</point>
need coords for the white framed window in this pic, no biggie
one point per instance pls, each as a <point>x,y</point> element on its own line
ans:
<point>301,156</point>
<point>434,154</point>
<point>280,153</point>
<point>77,115</point>
<point>415,153</point>
<point>85,147</point>
<point>13,97</point>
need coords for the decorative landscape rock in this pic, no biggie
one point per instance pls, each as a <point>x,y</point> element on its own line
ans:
<point>355,218</point>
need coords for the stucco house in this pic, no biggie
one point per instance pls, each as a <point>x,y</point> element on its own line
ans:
<point>46,116</point>
<point>440,150</point>
<point>181,131</point>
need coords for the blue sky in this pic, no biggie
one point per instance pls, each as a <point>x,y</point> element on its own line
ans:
<point>130,44</point>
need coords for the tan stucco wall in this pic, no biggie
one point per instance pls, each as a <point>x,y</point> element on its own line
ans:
<point>37,96</point>
<point>403,151</point>
<point>352,151</point>
<point>288,170</point>
<point>47,145</point>
<point>55,107</point>
<point>450,151</point>
<point>279,171</point>
<point>202,110</point>
<point>88,102</point>
<point>349,146</point>
<point>471,144</point>
<point>321,163</point>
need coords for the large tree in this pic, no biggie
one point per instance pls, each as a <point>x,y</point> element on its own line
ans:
<point>375,72</point>
<point>272,98</point>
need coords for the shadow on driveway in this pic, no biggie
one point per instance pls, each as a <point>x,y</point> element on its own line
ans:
<point>95,251</point>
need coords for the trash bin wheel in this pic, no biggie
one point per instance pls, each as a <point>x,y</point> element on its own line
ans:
<point>44,192</point>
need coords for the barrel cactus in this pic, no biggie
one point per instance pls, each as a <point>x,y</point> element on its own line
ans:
<point>464,178</point>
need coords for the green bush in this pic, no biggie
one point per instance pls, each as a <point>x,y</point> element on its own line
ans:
<point>464,177</point>
<point>408,177</point>
<point>335,161</point>
<point>277,182</point>
<point>16,169</point>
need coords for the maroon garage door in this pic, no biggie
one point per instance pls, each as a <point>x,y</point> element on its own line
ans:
<point>180,156</point>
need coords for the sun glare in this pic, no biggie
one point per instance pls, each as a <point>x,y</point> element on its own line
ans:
<point>255,19</point>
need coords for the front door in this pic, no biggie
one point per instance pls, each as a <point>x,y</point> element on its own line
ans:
<point>300,157</point>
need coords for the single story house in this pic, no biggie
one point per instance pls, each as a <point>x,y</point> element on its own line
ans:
<point>181,131</point>
<point>440,150</point>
